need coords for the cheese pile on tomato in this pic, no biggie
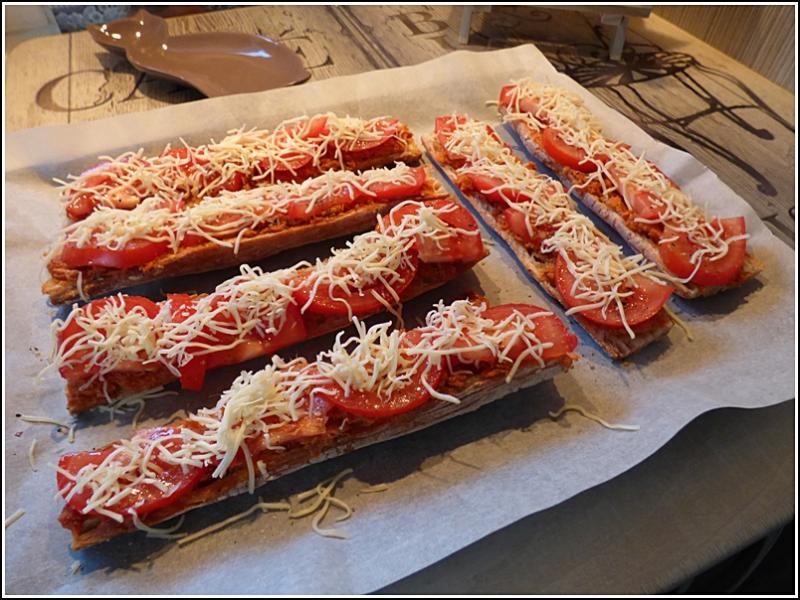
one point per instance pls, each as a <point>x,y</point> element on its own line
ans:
<point>258,313</point>
<point>243,159</point>
<point>375,374</point>
<point>593,275</point>
<point>694,248</point>
<point>123,239</point>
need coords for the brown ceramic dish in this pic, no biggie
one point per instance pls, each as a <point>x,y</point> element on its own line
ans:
<point>216,64</point>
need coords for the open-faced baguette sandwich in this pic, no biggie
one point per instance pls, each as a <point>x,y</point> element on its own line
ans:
<point>116,248</point>
<point>377,385</point>
<point>123,345</point>
<point>705,255</point>
<point>619,300</point>
<point>294,151</point>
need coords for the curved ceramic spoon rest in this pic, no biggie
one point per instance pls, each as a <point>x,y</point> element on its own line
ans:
<point>216,64</point>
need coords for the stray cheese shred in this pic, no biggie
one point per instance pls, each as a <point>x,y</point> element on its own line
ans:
<point>592,417</point>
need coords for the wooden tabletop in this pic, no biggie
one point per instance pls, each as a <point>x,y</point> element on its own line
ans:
<point>679,89</point>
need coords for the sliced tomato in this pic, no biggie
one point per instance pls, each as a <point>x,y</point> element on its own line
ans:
<point>643,202</point>
<point>677,255</point>
<point>301,211</point>
<point>461,246</point>
<point>564,154</point>
<point>83,204</point>
<point>549,329</point>
<point>132,254</point>
<point>333,301</point>
<point>193,373</point>
<point>493,189</point>
<point>174,480</point>
<point>367,403</point>
<point>382,131</point>
<point>646,301</point>
<point>518,224</point>
<point>393,190</point>
<point>67,338</point>
<point>508,95</point>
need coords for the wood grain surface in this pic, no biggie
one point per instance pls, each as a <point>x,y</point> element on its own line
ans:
<point>681,90</point>
<point>760,36</point>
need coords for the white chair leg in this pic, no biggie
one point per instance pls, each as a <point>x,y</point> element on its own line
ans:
<point>618,41</point>
<point>466,24</point>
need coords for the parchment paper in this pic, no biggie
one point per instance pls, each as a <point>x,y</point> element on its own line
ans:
<point>449,485</point>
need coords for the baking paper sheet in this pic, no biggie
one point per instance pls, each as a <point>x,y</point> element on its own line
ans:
<point>449,485</point>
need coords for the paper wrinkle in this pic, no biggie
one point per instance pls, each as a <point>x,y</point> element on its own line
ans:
<point>449,486</point>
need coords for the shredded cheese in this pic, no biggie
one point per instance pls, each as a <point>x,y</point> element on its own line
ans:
<point>37,420</point>
<point>225,218</point>
<point>164,533</point>
<point>32,456</point>
<point>281,397</point>
<point>617,168</point>
<point>261,505</point>
<point>14,518</point>
<point>374,489</point>
<point>604,276</point>
<point>243,156</point>
<point>591,416</point>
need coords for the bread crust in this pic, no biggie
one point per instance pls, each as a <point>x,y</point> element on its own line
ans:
<point>614,342</point>
<point>641,243</point>
<point>474,392</point>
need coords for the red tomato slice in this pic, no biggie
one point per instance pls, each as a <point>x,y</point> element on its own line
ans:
<point>444,128</point>
<point>193,373</point>
<point>366,403</point>
<point>508,94</point>
<point>564,154</point>
<point>301,211</point>
<point>549,328</point>
<point>464,247</point>
<point>146,497</point>
<point>518,224</point>
<point>333,301</point>
<point>393,191</point>
<point>676,255</point>
<point>386,129</point>
<point>73,328</point>
<point>82,205</point>
<point>492,189</point>
<point>644,304</point>
<point>644,203</point>
<point>132,254</point>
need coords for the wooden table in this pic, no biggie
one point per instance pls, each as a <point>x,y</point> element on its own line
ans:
<point>680,90</point>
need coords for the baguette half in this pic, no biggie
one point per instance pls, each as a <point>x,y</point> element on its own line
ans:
<point>473,392</point>
<point>69,285</point>
<point>614,342</point>
<point>642,244</point>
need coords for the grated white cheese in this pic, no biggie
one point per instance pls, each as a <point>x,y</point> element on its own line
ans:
<point>243,156</point>
<point>629,174</point>
<point>261,505</point>
<point>604,276</point>
<point>32,456</point>
<point>277,397</point>
<point>223,219</point>
<point>14,518</point>
<point>591,416</point>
